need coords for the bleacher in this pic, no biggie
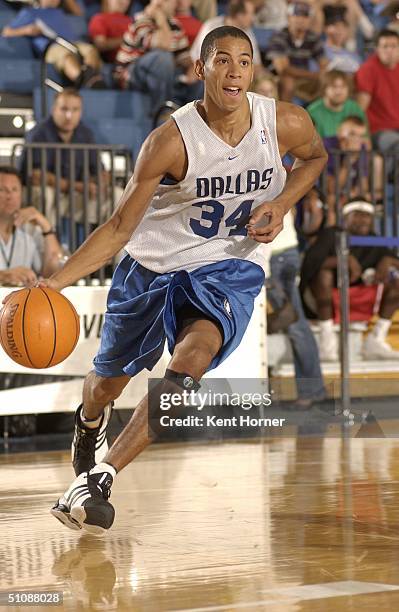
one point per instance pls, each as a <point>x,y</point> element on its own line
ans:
<point>116,117</point>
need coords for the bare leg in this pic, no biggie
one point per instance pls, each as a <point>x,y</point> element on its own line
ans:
<point>196,346</point>
<point>321,287</point>
<point>99,391</point>
<point>72,67</point>
<point>390,301</point>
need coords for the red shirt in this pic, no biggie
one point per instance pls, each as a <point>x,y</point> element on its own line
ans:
<point>382,83</point>
<point>110,25</point>
<point>191,26</point>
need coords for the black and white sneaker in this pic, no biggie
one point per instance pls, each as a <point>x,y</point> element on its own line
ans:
<point>89,446</point>
<point>85,504</point>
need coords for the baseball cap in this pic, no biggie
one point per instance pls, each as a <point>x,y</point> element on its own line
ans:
<point>299,8</point>
<point>358,206</point>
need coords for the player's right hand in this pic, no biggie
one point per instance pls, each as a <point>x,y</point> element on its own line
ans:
<point>50,283</point>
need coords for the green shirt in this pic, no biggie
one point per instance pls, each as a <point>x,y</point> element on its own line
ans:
<point>327,121</point>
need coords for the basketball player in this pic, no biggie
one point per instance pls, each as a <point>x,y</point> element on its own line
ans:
<point>194,266</point>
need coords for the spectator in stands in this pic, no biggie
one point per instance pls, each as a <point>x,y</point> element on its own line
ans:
<point>292,52</point>
<point>106,29</point>
<point>374,10</point>
<point>154,56</point>
<point>319,276</point>
<point>240,13</point>
<point>265,84</point>
<point>377,82</point>
<point>43,25</point>
<point>335,105</point>
<point>205,9</point>
<point>391,12</point>
<point>336,31</point>
<point>350,10</point>
<point>28,244</point>
<point>311,216</point>
<point>190,24</point>
<point>354,166</point>
<point>272,14</point>
<point>283,295</point>
<point>64,125</point>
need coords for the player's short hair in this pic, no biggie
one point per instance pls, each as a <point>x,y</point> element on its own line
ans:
<point>67,91</point>
<point>11,171</point>
<point>208,44</point>
<point>386,33</point>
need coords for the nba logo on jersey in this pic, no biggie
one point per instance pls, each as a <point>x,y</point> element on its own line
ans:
<point>263,136</point>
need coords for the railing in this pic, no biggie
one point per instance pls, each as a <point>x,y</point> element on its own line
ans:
<point>384,169</point>
<point>74,214</point>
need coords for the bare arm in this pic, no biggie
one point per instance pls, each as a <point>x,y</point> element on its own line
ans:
<point>283,67</point>
<point>296,135</point>
<point>163,152</point>
<point>72,7</point>
<point>52,248</point>
<point>107,44</point>
<point>28,30</point>
<point>363,99</point>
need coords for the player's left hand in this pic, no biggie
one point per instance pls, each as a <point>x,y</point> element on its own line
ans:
<point>266,221</point>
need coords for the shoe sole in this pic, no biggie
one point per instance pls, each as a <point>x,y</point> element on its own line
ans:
<point>78,514</point>
<point>66,519</point>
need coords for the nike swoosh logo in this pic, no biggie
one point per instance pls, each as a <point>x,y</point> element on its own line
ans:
<point>230,158</point>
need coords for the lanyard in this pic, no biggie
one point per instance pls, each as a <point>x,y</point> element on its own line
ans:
<point>3,253</point>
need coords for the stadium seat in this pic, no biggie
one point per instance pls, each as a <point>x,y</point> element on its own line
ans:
<point>124,132</point>
<point>15,48</point>
<point>19,75</point>
<point>105,104</point>
<point>6,15</point>
<point>78,25</point>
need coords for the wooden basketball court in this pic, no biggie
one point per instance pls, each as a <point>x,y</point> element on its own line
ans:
<point>286,525</point>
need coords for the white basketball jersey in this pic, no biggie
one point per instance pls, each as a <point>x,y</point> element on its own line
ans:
<point>201,220</point>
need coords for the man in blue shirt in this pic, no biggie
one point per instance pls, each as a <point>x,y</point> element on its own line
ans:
<point>64,126</point>
<point>43,25</point>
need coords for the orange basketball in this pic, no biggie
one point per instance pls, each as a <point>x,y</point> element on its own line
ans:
<point>39,327</point>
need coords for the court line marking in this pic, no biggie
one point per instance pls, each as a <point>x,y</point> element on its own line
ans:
<point>305,592</point>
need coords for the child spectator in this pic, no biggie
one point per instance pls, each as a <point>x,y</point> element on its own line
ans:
<point>351,164</point>
<point>328,112</point>
<point>106,29</point>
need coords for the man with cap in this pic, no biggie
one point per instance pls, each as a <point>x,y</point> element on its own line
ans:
<point>293,50</point>
<point>319,277</point>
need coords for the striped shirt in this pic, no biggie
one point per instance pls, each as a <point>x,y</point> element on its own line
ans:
<point>137,41</point>
<point>300,53</point>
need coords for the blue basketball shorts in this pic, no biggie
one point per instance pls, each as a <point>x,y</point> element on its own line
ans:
<point>142,309</point>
